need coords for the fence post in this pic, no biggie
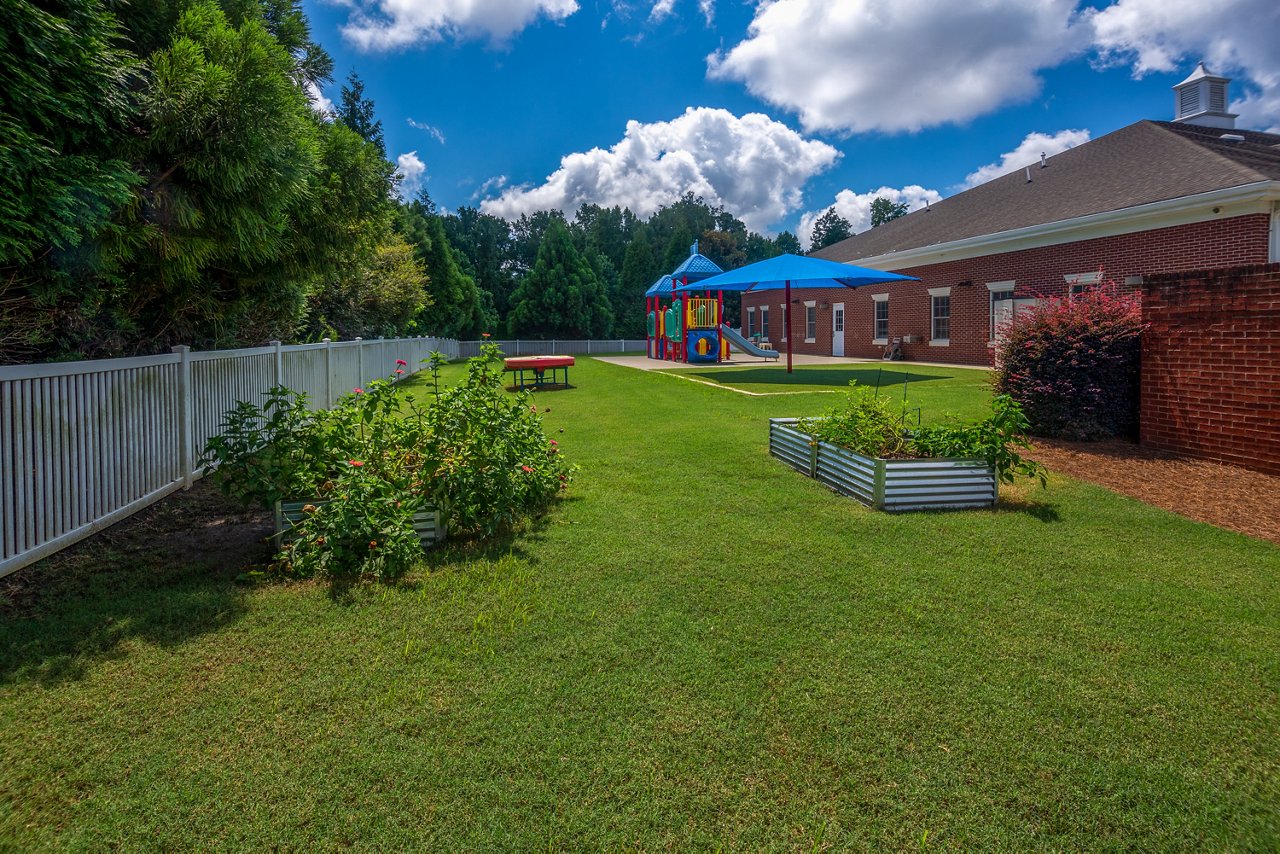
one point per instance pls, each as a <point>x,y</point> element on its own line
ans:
<point>278,366</point>
<point>185,439</point>
<point>359,360</point>
<point>328,373</point>
<point>553,345</point>
<point>588,346</point>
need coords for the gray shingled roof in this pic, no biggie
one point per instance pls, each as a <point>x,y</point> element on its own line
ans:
<point>1142,163</point>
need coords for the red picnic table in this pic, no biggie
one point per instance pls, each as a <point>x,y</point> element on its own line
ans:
<point>539,366</point>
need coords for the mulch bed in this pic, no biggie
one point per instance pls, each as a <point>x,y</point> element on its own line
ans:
<point>1227,496</point>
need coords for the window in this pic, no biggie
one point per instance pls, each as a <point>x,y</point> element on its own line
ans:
<point>1000,291</point>
<point>1078,282</point>
<point>881,335</point>
<point>810,322</point>
<point>941,299</point>
<point>751,317</point>
<point>785,330</point>
<point>764,322</point>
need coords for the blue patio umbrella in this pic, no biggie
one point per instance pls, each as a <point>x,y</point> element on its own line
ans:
<point>779,273</point>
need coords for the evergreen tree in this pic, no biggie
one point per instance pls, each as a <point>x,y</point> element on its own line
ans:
<point>561,297</point>
<point>483,245</point>
<point>884,210</point>
<point>677,249</point>
<point>639,271</point>
<point>458,309</point>
<point>356,112</point>
<point>830,228</point>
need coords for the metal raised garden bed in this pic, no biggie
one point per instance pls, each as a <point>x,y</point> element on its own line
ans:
<point>910,484</point>
<point>429,522</point>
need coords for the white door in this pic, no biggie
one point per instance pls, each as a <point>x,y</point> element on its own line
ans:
<point>1003,312</point>
<point>837,329</point>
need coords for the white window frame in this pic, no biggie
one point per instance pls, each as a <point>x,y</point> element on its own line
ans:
<point>876,301</point>
<point>764,322</point>
<point>994,288</point>
<point>1078,282</point>
<point>811,306</point>
<point>751,316</point>
<point>934,295</point>
<point>785,326</point>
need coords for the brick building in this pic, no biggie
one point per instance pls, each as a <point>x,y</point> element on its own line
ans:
<point>1150,199</point>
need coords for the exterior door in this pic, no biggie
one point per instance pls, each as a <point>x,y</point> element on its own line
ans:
<point>837,329</point>
<point>1003,312</point>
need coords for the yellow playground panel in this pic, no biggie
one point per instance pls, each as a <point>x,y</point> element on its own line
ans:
<point>702,314</point>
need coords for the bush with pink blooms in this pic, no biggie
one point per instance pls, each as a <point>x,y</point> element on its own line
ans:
<point>1072,363</point>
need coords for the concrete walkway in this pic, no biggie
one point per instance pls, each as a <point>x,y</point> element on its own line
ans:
<point>644,363</point>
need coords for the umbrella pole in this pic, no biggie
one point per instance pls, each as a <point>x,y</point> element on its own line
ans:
<point>787,320</point>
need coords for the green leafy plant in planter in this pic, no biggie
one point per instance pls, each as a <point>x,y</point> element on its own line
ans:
<point>995,439</point>
<point>873,426</point>
<point>377,458</point>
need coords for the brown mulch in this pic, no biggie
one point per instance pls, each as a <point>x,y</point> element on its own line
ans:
<point>1227,496</point>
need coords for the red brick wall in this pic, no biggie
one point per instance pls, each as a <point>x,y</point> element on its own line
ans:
<point>1211,365</point>
<point>1037,272</point>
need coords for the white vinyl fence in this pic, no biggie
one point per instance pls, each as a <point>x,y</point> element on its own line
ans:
<point>85,444</point>
<point>518,347</point>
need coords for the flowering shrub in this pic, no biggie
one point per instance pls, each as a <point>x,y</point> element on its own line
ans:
<point>474,451</point>
<point>1072,364</point>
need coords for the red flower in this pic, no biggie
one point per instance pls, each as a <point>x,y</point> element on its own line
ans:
<point>526,468</point>
<point>358,390</point>
<point>401,362</point>
<point>373,544</point>
<point>553,443</point>
<point>398,371</point>
<point>484,334</point>
<point>355,463</point>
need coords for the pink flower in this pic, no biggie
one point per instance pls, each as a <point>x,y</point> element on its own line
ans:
<point>399,371</point>
<point>355,463</point>
<point>358,390</point>
<point>484,334</point>
<point>401,362</point>
<point>526,468</point>
<point>553,443</point>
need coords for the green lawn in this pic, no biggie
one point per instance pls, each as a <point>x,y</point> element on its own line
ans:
<point>958,390</point>
<point>699,648</point>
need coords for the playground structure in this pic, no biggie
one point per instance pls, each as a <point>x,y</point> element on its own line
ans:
<point>688,328</point>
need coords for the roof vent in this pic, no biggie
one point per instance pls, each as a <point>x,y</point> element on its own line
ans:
<point>1232,137</point>
<point>1202,100</point>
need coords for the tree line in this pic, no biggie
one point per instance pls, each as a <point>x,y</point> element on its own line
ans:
<point>165,178</point>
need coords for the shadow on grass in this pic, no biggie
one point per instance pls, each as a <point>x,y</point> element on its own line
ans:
<point>1044,511</point>
<point>162,577</point>
<point>836,377</point>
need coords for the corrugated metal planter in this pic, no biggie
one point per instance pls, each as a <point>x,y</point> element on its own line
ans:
<point>911,484</point>
<point>429,522</point>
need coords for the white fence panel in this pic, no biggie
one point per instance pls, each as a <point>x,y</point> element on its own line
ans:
<point>558,347</point>
<point>86,444</point>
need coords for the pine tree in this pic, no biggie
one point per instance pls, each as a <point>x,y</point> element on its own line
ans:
<point>458,308</point>
<point>562,296</point>
<point>788,244</point>
<point>639,271</point>
<point>356,112</point>
<point>830,228</point>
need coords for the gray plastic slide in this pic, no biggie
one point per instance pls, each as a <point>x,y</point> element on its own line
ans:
<point>738,342</point>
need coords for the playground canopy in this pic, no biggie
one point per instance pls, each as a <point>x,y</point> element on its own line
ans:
<point>660,288</point>
<point>781,272</point>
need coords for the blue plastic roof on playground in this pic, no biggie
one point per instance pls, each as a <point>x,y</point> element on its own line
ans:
<point>695,268</point>
<point>660,288</point>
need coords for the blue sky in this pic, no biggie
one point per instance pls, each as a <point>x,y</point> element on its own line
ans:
<point>776,109</point>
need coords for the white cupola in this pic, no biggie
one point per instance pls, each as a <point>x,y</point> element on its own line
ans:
<point>1201,99</point>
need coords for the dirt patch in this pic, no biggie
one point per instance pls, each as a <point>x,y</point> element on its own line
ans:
<point>1227,496</point>
<point>199,531</point>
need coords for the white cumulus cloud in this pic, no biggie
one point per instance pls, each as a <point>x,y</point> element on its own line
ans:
<point>856,207</point>
<point>391,24</point>
<point>1027,153</point>
<point>899,65</point>
<point>755,166</point>
<point>662,9</point>
<point>1231,36</point>
<point>412,171</point>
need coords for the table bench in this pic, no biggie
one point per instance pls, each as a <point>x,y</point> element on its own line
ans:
<point>539,367</point>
